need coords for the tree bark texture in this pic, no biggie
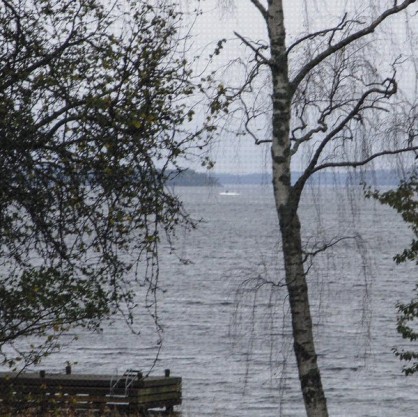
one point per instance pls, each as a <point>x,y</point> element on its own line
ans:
<point>287,199</point>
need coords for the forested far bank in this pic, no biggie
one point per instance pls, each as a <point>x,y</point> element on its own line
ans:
<point>378,178</point>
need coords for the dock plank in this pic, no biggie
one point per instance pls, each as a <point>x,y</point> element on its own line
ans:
<point>86,391</point>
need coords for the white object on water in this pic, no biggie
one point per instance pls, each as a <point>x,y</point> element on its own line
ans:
<point>228,193</point>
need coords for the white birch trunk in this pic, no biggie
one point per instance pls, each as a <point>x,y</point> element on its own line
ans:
<point>287,200</point>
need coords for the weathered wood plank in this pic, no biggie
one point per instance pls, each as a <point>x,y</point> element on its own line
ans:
<point>86,391</point>
<point>90,390</point>
<point>140,399</point>
<point>84,380</point>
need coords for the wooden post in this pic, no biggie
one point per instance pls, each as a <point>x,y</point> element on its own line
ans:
<point>169,409</point>
<point>43,400</point>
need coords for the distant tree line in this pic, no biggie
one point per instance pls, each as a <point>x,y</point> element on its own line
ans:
<point>189,177</point>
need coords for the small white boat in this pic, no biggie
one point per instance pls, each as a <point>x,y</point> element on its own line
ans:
<point>228,193</point>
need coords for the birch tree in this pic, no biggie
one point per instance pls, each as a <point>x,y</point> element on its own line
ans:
<point>330,99</point>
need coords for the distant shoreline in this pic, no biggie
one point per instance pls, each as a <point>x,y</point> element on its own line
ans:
<point>190,177</point>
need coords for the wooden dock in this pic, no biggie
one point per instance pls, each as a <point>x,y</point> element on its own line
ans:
<point>129,393</point>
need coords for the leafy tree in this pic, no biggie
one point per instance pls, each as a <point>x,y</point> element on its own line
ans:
<point>96,104</point>
<point>332,104</point>
<point>404,200</point>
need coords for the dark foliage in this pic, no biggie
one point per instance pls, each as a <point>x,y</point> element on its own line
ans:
<point>96,104</point>
<point>404,200</point>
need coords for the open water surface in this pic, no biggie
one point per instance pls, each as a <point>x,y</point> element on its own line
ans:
<point>227,335</point>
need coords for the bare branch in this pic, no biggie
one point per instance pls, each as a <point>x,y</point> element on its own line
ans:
<point>261,8</point>
<point>324,246</point>
<point>262,58</point>
<point>354,164</point>
<point>389,90</point>
<point>343,23</point>
<point>347,41</point>
<point>307,136</point>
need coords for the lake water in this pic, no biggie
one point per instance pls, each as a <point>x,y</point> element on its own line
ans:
<point>231,342</point>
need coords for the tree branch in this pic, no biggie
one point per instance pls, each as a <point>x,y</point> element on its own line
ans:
<point>19,33</point>
<point>347,41</point>
<point>263,59</point>
<point>343,23</point>
<point>261,8</point>
<point>354,164</point>
<point>390,89</point>
<point>324,246</point>
<point>307,136</point>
